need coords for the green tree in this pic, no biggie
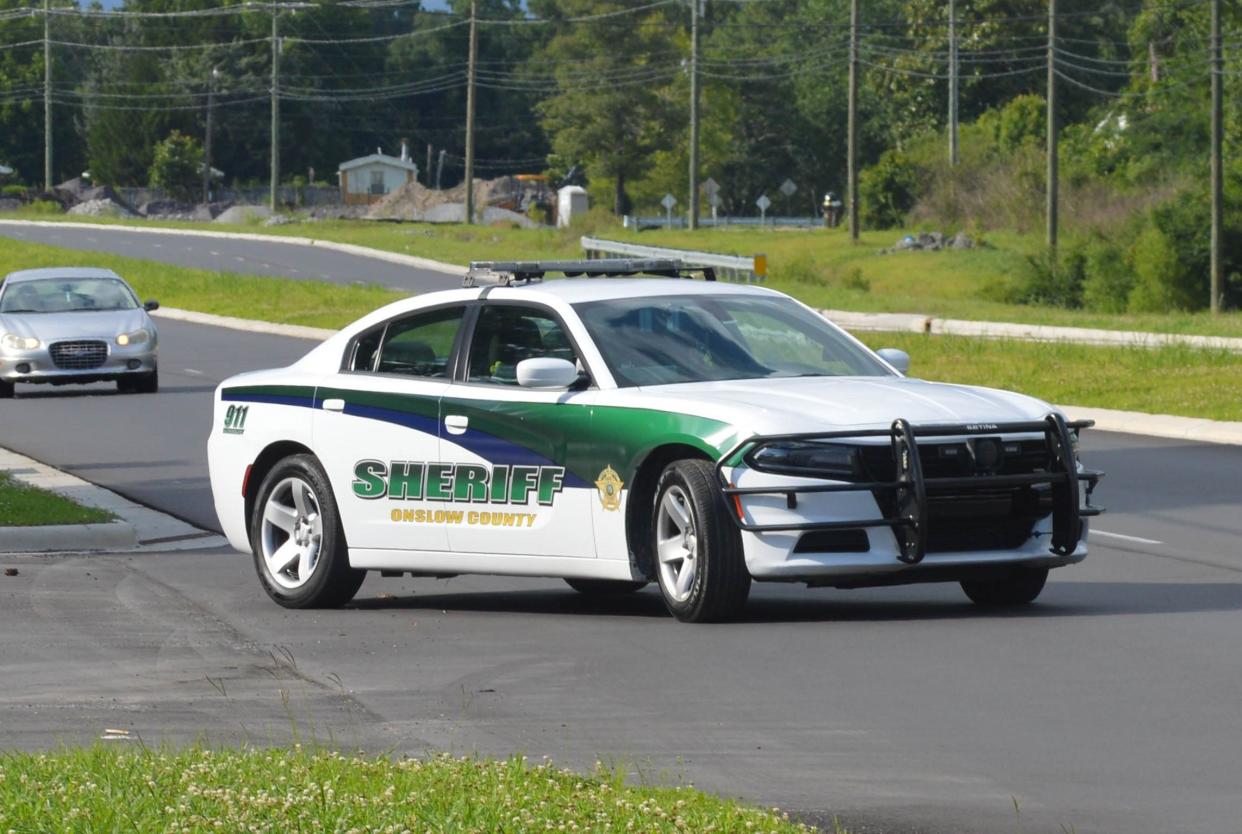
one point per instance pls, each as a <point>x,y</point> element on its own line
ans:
<point>177,165</point>
<point>608,109</point>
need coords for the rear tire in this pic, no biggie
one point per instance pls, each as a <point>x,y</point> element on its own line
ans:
<point>604,587</point>
<point>7,390</point>
<point>1020,587</point>
<point>296,536</point>
<point>699,562</point>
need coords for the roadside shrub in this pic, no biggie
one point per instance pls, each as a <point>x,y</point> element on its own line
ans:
<point>1021,121</point>
<point>888,189</point>
<point>1051,281</point>
<point>44,207</point>
<point>1108,277</point>
<point>18,191</point>
<point>177,166</point>
<point>1172,256</point>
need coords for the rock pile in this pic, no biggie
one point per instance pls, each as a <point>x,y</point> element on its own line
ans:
<point>931,242</point>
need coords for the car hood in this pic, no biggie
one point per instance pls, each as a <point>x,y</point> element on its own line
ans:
<point>769,406</point>
<point>51,327</point>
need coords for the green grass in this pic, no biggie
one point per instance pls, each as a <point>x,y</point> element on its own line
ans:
<point>312,303</point>
<point>818,266</point>
<point>204,790</point>
<point>1166,380</point>
<point>27,506</point>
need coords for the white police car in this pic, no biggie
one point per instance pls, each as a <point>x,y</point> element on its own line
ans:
<point>631,430</point>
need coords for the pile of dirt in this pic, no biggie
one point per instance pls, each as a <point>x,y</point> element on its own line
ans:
<point>101,208</point>
<point>241,215</point>
<point>414,201</point>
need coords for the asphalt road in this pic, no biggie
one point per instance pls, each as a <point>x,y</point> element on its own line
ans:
<point>1111,705</point>
<point>285,260</point>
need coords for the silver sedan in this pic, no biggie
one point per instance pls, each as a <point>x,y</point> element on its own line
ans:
<point>74,325</point>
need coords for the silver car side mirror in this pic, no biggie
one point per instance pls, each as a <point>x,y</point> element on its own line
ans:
<point>546,373</point>
<point>899,359</point>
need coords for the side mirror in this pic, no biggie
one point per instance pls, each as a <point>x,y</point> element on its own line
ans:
<point>546,373</point>
<point>899,359</point>
<point>150,305</point>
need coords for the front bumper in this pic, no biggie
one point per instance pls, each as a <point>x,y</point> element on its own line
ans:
<point>37,366</point>
<point>882,531</point>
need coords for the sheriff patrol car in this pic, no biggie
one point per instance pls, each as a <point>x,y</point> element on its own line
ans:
<point>616,431</point>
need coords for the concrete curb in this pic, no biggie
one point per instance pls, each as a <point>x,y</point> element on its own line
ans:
<point>917,323</point>
<point>1159,425</point>
<point>295,331</point>
<point>138,529</point>
<point>346,248</point>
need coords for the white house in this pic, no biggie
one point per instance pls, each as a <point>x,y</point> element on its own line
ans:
<point>368,178</point>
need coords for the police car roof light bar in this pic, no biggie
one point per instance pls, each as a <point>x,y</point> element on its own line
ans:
<point>508,273</point>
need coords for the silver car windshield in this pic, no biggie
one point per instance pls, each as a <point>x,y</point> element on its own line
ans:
<point>67,295</point>
<point>696,338</point>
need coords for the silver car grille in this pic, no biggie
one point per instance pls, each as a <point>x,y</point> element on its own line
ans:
<point>79,355</point>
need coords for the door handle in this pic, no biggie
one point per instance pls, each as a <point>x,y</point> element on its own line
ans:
<point>334,404</point>
<point>456,423</point>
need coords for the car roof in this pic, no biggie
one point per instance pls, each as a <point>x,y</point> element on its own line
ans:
<point>59,272</point>
<point>577,290</point>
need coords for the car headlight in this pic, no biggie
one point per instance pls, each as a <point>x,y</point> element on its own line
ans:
<point>807,459</point>
<point>136,338</point>
<point>14,342</point>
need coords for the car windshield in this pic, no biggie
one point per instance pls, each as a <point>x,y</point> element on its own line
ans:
<point>67,295</point>
<point>696,338</point>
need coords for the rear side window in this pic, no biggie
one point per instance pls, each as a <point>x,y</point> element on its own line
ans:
<point>419,345</point>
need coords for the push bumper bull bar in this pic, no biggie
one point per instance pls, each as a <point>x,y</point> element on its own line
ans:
<point>910,522</point>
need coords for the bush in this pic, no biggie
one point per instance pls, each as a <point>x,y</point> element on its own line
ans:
<point>1108,277</point>
<point>177,166</point>
<point>1052,281</point>
<point>1172,256</point>
<point>1021,121</point>
<point>18,191</point>
<point>888,189</point>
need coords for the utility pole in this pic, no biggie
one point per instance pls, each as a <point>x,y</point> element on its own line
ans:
<point>211,104</point>
<point>275,151</point>
<point>474,52</point>
<point>47,96</point>
<point>1051,199</point>
<point>953,82</point>
<point>427,170</point>
<point>851,154</point>
<point>1218,188</point>
<point>693,220</point>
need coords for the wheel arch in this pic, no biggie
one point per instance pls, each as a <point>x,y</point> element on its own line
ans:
<point>271,455</point>
<point>642,494</point>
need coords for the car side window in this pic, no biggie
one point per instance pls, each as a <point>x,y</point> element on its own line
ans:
<point>416,345</point>
<point>505,335</point>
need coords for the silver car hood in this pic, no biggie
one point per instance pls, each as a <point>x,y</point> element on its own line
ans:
<point>51,327</point>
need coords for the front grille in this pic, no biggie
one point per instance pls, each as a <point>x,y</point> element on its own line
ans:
<point>79,355</point>
<point>964,519</point>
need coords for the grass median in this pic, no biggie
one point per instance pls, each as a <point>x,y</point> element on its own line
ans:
<point>26,506</point>
<point>305,302</point>
<point>200,790</point>
<point>1165,380</point>
<point>819,266</point>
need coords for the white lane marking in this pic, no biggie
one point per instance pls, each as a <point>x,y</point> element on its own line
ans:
<point>157,245</point>
<point>239,259</point>
<point>1123,537</point>
<point>292,271</point>
<point>192,371</point>
<point>92,240</point>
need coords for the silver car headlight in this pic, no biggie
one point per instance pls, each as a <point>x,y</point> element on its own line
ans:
<point>136,338</point>
<point>14,342</point>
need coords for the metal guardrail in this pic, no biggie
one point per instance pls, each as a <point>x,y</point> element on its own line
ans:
<point>737,268</point>
<point>679,222</point>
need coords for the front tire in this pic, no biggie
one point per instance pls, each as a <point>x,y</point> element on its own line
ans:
<point>296,536</point>
<point>1019,587</point>
<point>146,384</point>
<point>699,561</point>
<point>7,389</point>
<point>604,587</point>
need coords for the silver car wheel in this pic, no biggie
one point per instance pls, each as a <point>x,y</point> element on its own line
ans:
<point>677,545</point>
<point>292,534</point>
